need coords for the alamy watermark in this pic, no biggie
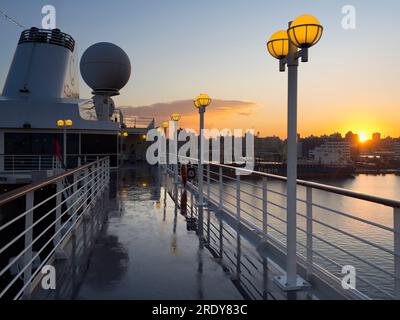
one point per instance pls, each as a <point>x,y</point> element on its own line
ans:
<point>49,19</point>
<point>214,146</point>
<point>49,277</point>
<point>349,20</point>
<point>349,280</point>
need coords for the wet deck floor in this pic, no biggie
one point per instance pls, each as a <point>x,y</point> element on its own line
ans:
<point>146,252</point>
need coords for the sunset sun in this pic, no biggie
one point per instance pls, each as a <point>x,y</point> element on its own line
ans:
<point>363,137</point>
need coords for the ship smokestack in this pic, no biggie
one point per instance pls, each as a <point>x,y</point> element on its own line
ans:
<point>43,66</point>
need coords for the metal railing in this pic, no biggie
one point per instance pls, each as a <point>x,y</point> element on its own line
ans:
<point>138,122</point>
<point>24,163</point>
<point>54,36</point>
<point>36,220</point>
<point>336,228</point>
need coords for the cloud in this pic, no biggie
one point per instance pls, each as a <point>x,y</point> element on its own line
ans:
<point>221,113</point>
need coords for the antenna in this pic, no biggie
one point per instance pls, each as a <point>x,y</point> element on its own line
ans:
<point>12,20</point>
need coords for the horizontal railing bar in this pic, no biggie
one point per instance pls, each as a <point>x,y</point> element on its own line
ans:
<point>47,229</point>
<point>251,215</point>
<point>47,214</point>
<point>251,205</point>
<point>43,247</point>
<point>352,255</point>
<point>357,276</point>
<point>250,194</point>
<point>354,237</point>
<point>2,227</point>
<point>99,188</point>
<point>15,194</point>
<point>355,218</point>
<point>276,230</point>
<point>335,190</point>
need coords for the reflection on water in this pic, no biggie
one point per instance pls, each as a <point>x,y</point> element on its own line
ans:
<point>112,259</point>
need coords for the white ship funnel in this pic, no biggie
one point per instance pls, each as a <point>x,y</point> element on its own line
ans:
<point>44,66</point>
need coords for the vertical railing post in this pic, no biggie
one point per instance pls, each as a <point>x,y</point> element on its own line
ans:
<point>396,227</point>
<point>74,198</point>
<point>208,181</point>
<point>28,255</point>
<point>40,162</point>
<point>238,243</point>
<point>90,184</point>
<point>58,211</point>
<point>265,207</point>
<point>221,188</point>
<point>238,199</point>
<point>86,188</point>
<point>221,239</point>
<point>309,198</point>
<point>208,208</point>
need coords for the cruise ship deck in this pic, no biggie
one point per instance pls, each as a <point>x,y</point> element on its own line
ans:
<point>139,232</point>
<point>145,252</point>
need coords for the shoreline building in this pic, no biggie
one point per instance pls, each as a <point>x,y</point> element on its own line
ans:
<point>331,152</point>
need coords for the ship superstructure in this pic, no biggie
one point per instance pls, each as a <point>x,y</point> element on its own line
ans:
<point>42,87</point>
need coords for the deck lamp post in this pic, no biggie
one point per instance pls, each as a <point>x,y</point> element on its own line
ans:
<point>289,46</point>
<point>64,125</point>
<point>122,135</point>
<point>176,118</point>
<point>201,103</point>
<point>165,126</point>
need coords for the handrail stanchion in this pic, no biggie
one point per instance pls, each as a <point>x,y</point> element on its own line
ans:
<point>74,197</point>
<point>221,239</point>
<point>208,208</point>
<point>396,227</point>
<point>29,203</point>
<point>86,188</point>
<point>265,206</point>
<point>221,188</point>
<point>309,229</point>
<point>238,199</point>
<point>238,243</point>
<point>58,210</point>
<point>208,181</point>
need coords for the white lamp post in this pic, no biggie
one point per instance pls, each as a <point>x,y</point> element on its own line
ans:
<point>165,126</point>
<point>64,124</point>
<point>303,32</point>
<point>175,118</point>
<point>201,102</point>
<point>122,135</point>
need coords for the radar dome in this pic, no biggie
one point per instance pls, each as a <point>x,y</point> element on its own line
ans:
<point>106,68</point>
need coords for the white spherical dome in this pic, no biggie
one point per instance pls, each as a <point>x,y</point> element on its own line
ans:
<point>105,67</point>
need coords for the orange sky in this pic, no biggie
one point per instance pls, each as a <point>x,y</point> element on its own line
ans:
<point>251,115</point>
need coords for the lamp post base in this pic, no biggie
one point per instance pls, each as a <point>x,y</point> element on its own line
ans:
<point>282,283</point>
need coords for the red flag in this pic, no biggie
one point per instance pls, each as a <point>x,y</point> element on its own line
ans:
<point>56,147</point>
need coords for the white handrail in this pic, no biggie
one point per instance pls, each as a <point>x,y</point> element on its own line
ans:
<point>254,208</point>
<point>89,184</point>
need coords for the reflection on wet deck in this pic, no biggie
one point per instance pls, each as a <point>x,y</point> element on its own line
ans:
<point>146,252</point>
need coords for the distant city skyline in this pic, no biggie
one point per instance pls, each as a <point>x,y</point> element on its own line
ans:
<point>181,48</point>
